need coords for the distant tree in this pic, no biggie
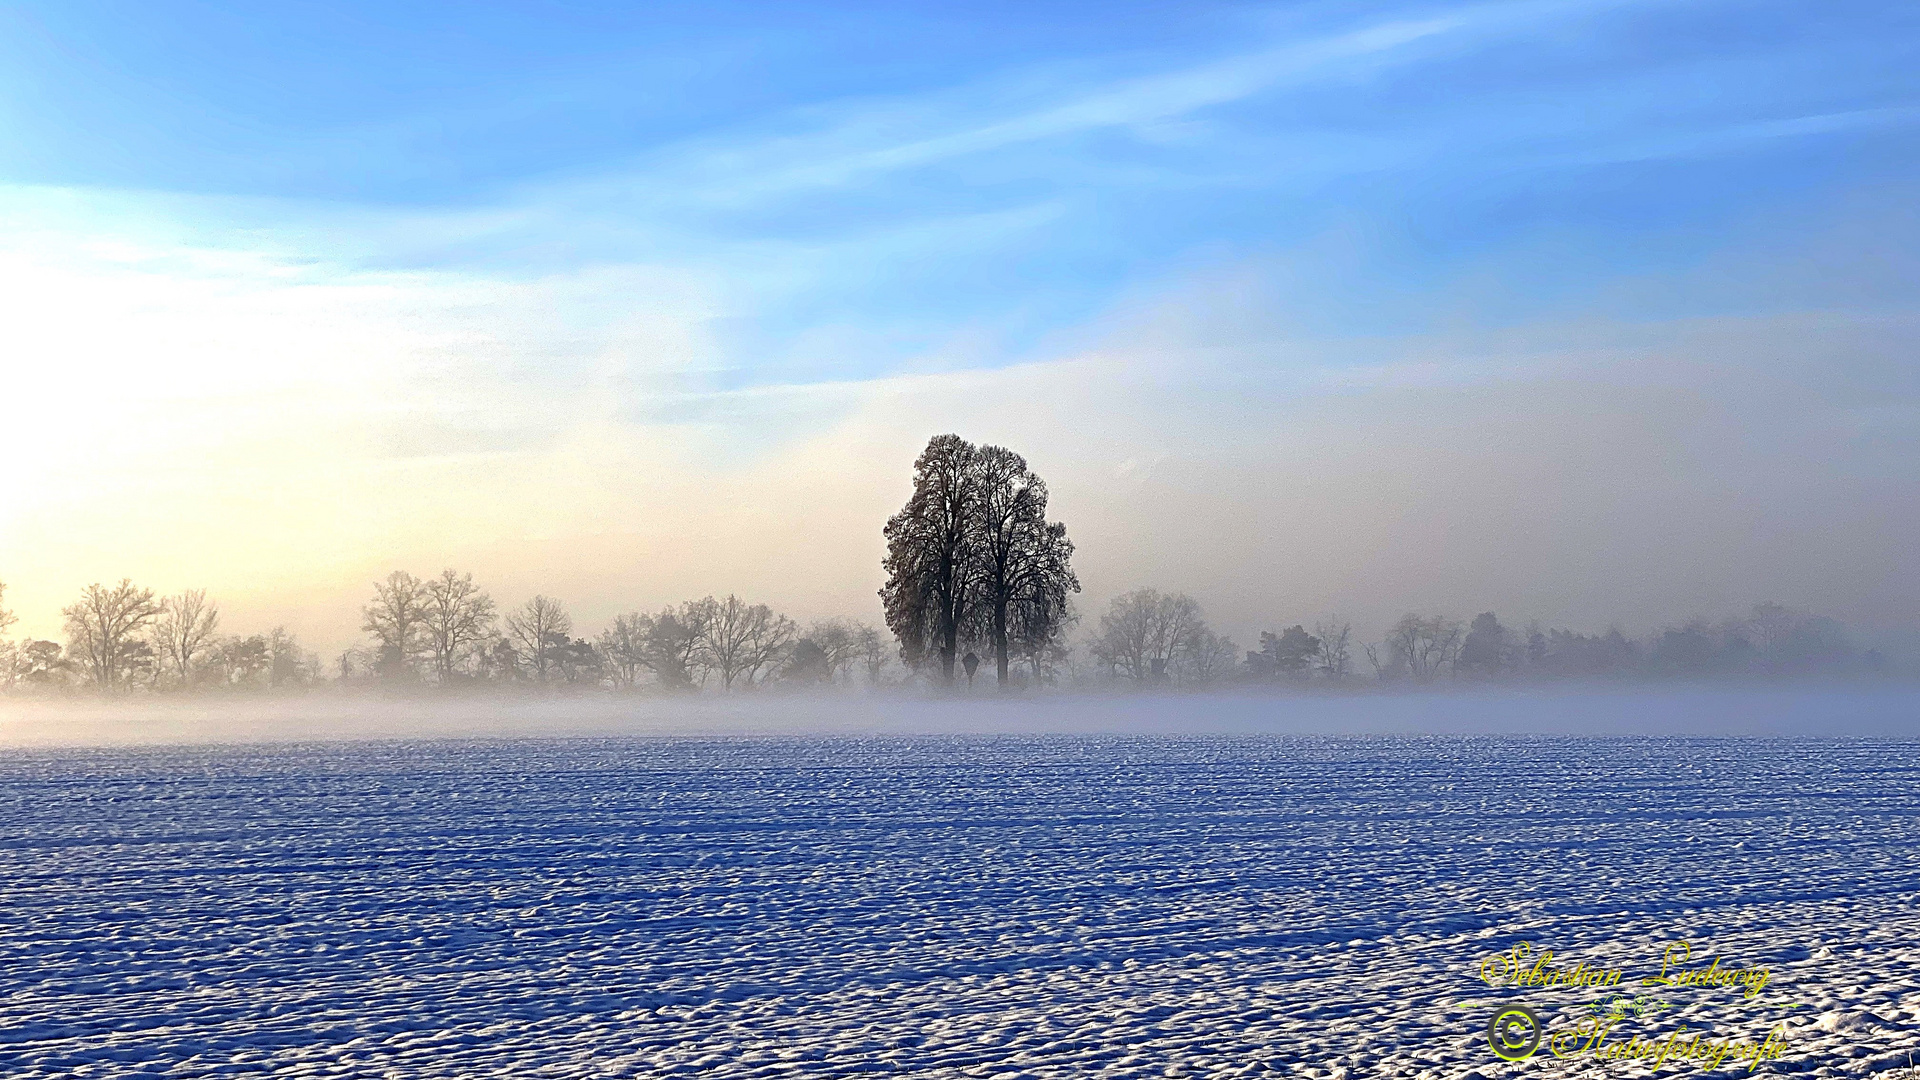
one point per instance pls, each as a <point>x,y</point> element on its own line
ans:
<point>807,663</point>
<point>839,643</point>
<point>1286,655</point>
<point>456,619</point>
<point>7,618</point>
<point>1424,648</point>
<point>502,660</point>
<point>1789,642</point>
<point>184,631</point>
<point>9,652</point>
<point>397,619</point>
<point>1022,559</point>
<point>1044,648</point>
<point>540,632</point>
<point>1144,630</point>
<point>579,662</point>
<point>932,561</point>
<point>242,661</point>
<point>1333,658</point>
<point>288,664</point>
<point>624,645</point>
<point>1485,652</point>
<point>140,663</point>
<point>1536,648</point>
<point>674,644</point>
<point>743,639</point>
<point>1205,658</point>
<point>104,629</point>
<point>1563,653</point>
<point>873,653</point>
<point>1688,650</point>
<point>39,663</point>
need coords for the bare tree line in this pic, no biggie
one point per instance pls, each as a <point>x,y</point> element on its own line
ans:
<point>443,631</point>
<point>447,632</point>
<point>123,637</point>
<point>973,567</point>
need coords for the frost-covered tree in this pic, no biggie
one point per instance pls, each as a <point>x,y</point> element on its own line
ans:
<point>1206,657</point>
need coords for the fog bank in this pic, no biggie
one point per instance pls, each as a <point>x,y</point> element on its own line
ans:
<point>1886,711</point>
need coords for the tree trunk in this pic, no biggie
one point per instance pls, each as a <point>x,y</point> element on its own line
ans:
<point>1000,636</point>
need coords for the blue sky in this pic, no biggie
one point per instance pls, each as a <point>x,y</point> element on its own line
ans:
<point>891,175</point>
<point>342,245</point>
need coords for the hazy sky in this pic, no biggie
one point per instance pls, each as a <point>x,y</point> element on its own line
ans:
<point>1594,312</point>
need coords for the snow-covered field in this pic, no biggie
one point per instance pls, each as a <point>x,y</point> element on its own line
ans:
<point>981,906</point>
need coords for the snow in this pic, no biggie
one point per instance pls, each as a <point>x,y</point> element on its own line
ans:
<point>978,906</point>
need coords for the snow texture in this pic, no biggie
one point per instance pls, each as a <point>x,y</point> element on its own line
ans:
<point>963,906</point>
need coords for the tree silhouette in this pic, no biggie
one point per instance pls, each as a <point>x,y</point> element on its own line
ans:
<point>742,639</point>
<point>185,631</point>
<point>540,629</point>
<point>932,558</point>
<point>1022,559</point>
<point>457,619</point>
<point>1145,630</point>
<point>624,645</point>
<point>397,619</point>
<point>103,631</point>
<point>1485,652</point>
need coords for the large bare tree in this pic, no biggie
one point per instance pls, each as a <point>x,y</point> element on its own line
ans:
<point>397,619</point>
<point>539,629</point>
<point>932,560</point>
<point>185,631</point>
<point>104,628</point>
<point>457,618</point>
<point>1022,559</point>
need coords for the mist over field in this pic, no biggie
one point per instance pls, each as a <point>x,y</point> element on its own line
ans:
<point>1841,711</point>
